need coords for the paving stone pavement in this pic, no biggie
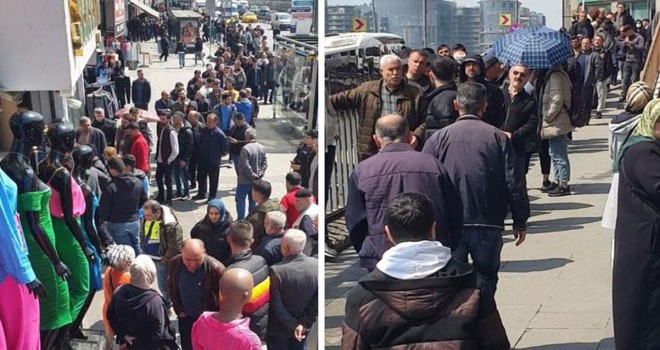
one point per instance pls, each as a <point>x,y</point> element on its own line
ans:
<point>554,290</point>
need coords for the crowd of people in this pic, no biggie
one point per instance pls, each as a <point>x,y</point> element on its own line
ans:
<point>444,142</point>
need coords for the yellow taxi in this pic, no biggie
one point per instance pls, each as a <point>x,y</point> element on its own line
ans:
<point>249,17</point>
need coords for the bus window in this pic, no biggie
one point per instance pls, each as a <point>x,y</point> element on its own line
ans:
<point>373,52</point>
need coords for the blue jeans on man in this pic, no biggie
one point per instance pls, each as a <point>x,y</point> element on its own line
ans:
<point>126,233</point>
<point>161,273</point>
<point>181,176</point>
<point>243,191</point>
<point>484,245</point>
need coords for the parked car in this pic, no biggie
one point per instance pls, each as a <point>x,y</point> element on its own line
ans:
<point>249,17</point>
<point>264,11</point>
<point>284,19</point>
<point>254,8</point>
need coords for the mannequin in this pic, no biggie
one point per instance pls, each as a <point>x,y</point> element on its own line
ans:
<point>66,206</point>
<point>85,155</point>
<point>19,311</point>
<point>33,198</point>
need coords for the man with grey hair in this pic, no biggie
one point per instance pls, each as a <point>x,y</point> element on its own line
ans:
<point>106,125</point>
<point>270,246</point>
<point>90,136</point>
<point>481,163</point>
<point>252,165</point>
<point>397,168</point>
<point>294,296</point>
<point>389,95</point>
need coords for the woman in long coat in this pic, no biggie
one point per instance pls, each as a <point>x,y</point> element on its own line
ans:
<point>636,278</point>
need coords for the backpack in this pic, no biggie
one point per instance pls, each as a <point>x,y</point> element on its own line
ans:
<point>576,112</point>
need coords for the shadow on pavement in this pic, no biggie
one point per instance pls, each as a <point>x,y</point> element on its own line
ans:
<point>534,265</point>
<point>559,206</point>
<point>604,344</point>
<point>591,188</point>
<point>558,225</point>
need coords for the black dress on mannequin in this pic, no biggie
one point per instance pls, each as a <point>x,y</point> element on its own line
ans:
<point>33,197</point>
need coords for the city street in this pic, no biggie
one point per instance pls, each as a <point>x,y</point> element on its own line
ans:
<point>275,134</point>
<point>554,290</point>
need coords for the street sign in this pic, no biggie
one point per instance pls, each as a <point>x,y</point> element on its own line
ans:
<point>359,25</point>
<point>505,19</point>
<point>302,3</point>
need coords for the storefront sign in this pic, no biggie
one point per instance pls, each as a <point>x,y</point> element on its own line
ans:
<point>120,17</point>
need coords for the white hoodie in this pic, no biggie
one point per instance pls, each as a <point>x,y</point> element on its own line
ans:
<point>414,260</point>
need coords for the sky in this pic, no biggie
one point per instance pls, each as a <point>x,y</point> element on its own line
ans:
<point>550,8</point>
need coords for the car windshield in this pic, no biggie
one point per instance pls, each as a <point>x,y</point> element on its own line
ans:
<point>284,16</point>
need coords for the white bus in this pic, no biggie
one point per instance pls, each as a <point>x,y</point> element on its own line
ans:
<point>352,51</point>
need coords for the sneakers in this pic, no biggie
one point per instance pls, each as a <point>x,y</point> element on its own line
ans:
<point>549,186</point>
<point>199,196</point>
<point>560,191</point>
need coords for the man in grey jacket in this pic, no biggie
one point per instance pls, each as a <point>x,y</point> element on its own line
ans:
<point>592,66</point>
<point>631,45</point>
<point>90,136</point>
<point>252,165</point>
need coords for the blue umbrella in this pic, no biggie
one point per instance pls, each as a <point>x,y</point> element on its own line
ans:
<point>536,48</point>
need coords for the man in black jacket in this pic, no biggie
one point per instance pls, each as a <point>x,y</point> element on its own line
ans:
<point>88,135</point>
<point>481,163</point>
<point>186,144</point>
<point>522,122</point>
<point>582,26</point>
<point>294,295</point>
<point>164,102</point>
<point>107,126</point>
<point>472,69</point>
<point>196,126</point>
<point>240,239</point>
<point>418,288</point>
<point>141,91</point>
<point>120,203</point>
<point>441,111</point>
<point>270,246</point>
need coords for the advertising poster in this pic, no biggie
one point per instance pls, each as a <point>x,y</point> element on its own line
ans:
<point>120,17</point>
<point>189,32</point>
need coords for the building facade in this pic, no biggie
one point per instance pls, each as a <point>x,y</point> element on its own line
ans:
<point>338,19</point>
<point>468,27</point>
<point>490,20</point>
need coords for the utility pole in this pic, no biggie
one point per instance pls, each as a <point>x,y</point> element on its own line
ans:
<point>424,26</point>
<point>373,10</point>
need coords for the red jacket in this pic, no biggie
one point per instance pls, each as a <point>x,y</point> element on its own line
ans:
<point>288,206</point>
<point>140,150</point>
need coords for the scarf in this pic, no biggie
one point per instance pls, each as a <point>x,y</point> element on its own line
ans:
<point>216,203</point>
<point>143,272</point>
<point>644,131</point>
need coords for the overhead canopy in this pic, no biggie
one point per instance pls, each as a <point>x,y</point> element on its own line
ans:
<point>144,7</point>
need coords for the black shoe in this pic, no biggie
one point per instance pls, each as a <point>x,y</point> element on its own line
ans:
<point>199,196</point>
<point>599,115</point>
<point>185,198</point>
<point>193,185</point>
<point>160,199</point>
<point>77,334</point>
<point>168,202</point>
<point>549,186</point>
<point>560,191</point>
<point>176,196</point>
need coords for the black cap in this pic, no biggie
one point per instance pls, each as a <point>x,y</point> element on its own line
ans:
<point>312,133</point>
<point>304,193</point>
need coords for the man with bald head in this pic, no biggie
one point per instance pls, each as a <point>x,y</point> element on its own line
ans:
<point>228,326</point>
<point>397,168</point>
<point>389,95</point>
<point>193,282</point>
<point>293,295</point>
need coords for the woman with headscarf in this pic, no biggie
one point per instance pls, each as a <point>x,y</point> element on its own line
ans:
<point>621,128</point>
<point>212,230</point>
<point>137,311</point>
<point>636,277</point>
<point>120,259</point>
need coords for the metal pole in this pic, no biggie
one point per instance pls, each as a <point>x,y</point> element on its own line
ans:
<point>424,26</point>
<point>373,11</point>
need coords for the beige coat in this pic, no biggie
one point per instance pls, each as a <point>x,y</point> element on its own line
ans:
<point>556,102</point>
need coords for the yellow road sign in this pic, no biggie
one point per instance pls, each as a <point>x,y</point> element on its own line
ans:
<point>359,25</point>
<point>505,19</point>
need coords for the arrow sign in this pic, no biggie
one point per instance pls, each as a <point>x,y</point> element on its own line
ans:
<point>505,19</point>
<point>359,25</point>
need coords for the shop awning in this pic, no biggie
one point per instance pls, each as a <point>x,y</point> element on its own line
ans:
<point>144,7</point>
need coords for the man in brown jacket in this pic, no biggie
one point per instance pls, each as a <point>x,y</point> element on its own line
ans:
<point>389,95</point>
<point>160,238</point>
<point>194,283</point>
<point>431,300</point>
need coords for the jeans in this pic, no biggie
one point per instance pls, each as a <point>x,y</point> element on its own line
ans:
<point>164,172</point>
<point>182,59</point>
<point>161,273</point>
<point>630,75</point>
<point>198,56</point>
<point>233,159</point>
<point>210,172</point>
<point>281,343</point>
<point>484,245</point>
<point>185,330</point>
<point>192,171</point>
<point>601,90</point>
<point>181,179</point>
<point>559,154</point>
<point>127,233</point>
<point>243,191</point>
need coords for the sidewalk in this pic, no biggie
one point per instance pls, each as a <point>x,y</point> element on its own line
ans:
<point>554,290</point>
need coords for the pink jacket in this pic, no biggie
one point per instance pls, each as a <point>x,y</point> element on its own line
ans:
<point>209,334</point>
